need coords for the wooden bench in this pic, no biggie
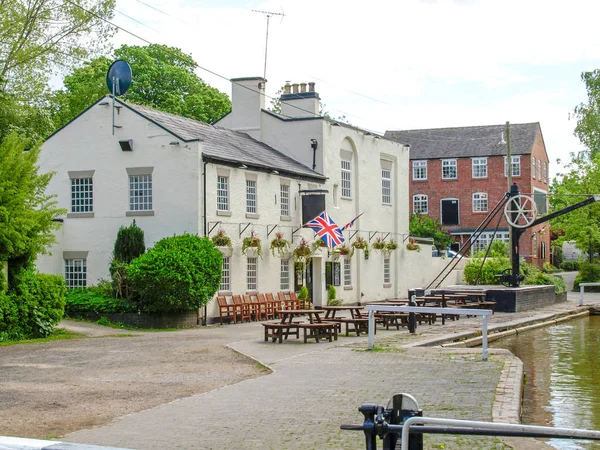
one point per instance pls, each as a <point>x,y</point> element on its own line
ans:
<point>394,319</point>
<point>356,325</point>
<point>321,330</point>
<point>276,330</point>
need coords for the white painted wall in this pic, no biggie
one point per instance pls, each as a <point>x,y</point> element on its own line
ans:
<point>88,144</point>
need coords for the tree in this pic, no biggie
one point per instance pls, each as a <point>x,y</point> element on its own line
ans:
<point>583,224</point>
<point>27,120</point>
<point>37,35</point>
<point>421,225</point>
<point>163,78</point>
<point>588,115</point>
<point>26,211</point>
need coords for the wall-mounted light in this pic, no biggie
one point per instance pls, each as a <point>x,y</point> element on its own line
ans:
<point>174,143</point>
<point>126,146</point>
<point>275,172</point>
<point>243,166</point>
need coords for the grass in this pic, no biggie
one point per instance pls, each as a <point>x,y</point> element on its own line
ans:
<point>377,348</point>
<point>58,334</point>
<point>121,326</point>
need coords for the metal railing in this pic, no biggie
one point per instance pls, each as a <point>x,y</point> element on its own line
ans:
<point>484,313</point>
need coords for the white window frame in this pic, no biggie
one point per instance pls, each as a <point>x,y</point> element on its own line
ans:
<point>418,201</point>
<point>284,199</point>
<point>387,279</point>
<point>226,274</point>
<point>251,197</point>
<point>222,193</point>
<point>75,272</point>
<point>140,192</point>
<point>82,195</point>
<point>479,201</point>
<point>533,167</point>
<point>479,167</point>
<point>346,178</point>
<point>284,275</point>
<point>347,272</point>
<point>252,274</point>
<point>534,244</point>
<point>539,170</point>
<point>419,170</point>
<point>545,193</point>
<point>449,166</point>
<point>386,186</point>
<point>484,239</point>
<point>545,172</point>
<point>516,166</point>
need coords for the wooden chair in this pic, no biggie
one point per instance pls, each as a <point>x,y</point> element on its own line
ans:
<point>253,307</point>
<point>266,308</point>
<point>284,297</point>
<point>275,304</point>
<point>226,310</point>
<point>240,308</point>
<point>298,303</point>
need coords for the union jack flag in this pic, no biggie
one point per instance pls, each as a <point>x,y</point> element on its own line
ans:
<point>326,229</point>
<point>351,223</point>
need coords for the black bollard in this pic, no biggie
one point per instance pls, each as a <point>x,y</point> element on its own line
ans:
<point>412,322</point>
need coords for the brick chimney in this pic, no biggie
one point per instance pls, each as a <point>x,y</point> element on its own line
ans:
<point>300,102</point>
<point>247,101</point>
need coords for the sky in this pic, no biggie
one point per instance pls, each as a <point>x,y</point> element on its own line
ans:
<point>396,64</point>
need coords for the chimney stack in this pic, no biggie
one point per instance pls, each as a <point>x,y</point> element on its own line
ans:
<point>247,102</point>
<point>300,102</point>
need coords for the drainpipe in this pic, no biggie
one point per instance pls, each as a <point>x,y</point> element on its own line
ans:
<point>205,311</point>
<point>314,144</point>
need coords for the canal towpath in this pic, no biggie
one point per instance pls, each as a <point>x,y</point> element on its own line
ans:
<point>315,388</point>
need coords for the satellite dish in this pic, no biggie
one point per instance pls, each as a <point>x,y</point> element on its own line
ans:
<point>118,77</point>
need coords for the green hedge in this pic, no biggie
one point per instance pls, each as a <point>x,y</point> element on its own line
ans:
<point>34,307</point>
<point>537,277</point>
<point>491,268</point>
<point>588,273</point>
<point>181,273</point>
<point>569,265</point>
<point>94,299</point>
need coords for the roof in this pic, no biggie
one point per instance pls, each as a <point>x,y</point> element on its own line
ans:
<point>466,142</point>
<point>225,145</point>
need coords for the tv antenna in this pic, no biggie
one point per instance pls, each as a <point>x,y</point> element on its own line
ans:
<point>118,80</point>
<point>268,14</point>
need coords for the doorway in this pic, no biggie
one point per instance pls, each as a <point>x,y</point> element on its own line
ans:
<point>450,211</point>
<point>303,276</point>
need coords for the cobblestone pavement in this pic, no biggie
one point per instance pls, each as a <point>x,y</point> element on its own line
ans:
<point>314,388</point>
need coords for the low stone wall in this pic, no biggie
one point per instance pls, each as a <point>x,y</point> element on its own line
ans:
<point>144,320</point>
<point>524,298</point>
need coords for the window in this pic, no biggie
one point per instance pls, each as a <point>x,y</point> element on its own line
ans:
<point>545,173</point>
<point>251,196</point>
<point>346,178</point>
<point>251,274</point>
<point>140,192</point>
<point>539,171</point>
<point>479,167</point>
<point>540,198</point>
<point>386,186</point>
<point>516,166</point>
<point>419,170</point>
<point>75,273</point>
<point>226,275</point>
<point>543,250</point>
<point>420,205</point>
<point>484,239</point>
<point>284,283</point>
<point>534,244</point>
<point>284,199</point>
<point>82,198</point>
<point>480,202</point>
<point>449,169</point>
<point>347,273</point>
<point>222,193</point>
<point>386,271</point>
<point>533,166</point>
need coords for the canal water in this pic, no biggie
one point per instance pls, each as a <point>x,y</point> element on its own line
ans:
<point>562,368</point>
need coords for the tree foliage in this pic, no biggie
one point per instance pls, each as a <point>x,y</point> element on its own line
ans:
<point>588,115</point>
<point>421,225</point>
<point>38,35</point>
<point>163,78</point>
<point>26,211</point>
<point>582,225</point>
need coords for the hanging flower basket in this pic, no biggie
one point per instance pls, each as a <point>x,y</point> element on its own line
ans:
<point>343,251</point>
<point>412,245</point>
<point>280,246</point>
<point>303,251</point>
<point>251,246</point>
<point>360,243</point>
<point>391,245</point>
<point>223,243</point>
<point>379,244</point>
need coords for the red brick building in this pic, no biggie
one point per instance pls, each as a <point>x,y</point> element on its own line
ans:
<point>458,175</point>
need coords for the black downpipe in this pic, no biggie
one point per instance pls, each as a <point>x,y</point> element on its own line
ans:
<point>204,225</point>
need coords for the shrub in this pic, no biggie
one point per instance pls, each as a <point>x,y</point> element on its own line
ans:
<point>421,225</point>
<point>569,265</point>
<point>95,299</point>
<point>303,292</point>
<point>498,249</point>
<point>331,293</point>
<point>536,277</point>
<point>40,300</point>
<point>181,273</point>
<point>588,273</point>
<point>491,268</point>
<point>9,319</point>
<point>129,243</point>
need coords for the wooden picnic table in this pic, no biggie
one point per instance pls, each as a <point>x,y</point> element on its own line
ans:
<point>331,310</point>
<point>287,315</point>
